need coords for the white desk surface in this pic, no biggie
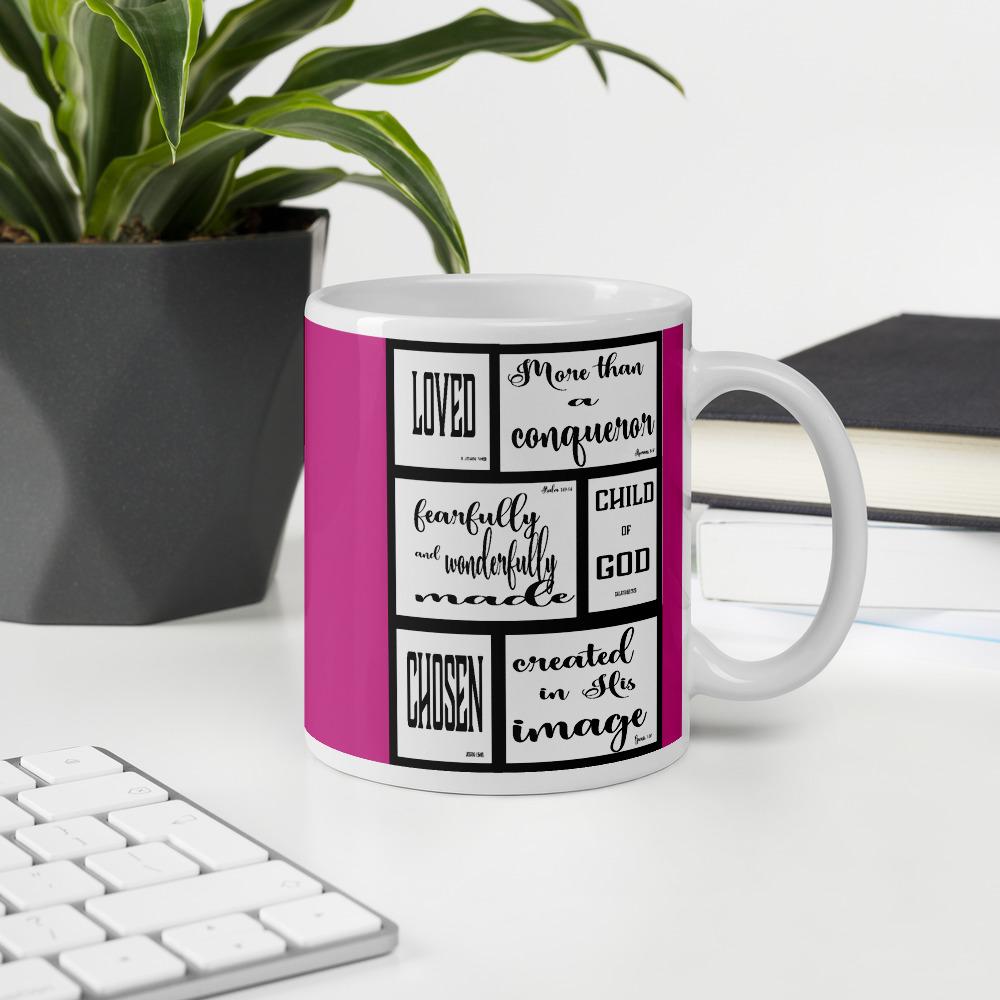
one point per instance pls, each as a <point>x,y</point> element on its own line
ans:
<point>841,841</point>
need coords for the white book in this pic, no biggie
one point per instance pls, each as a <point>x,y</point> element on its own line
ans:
<point>771,558</point>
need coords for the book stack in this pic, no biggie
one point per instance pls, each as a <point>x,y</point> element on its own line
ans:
<point>920,397</point>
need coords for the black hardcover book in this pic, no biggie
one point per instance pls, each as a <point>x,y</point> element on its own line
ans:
<point>920,396</point>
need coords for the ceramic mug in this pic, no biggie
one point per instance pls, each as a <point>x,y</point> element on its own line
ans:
<point>497,530</point>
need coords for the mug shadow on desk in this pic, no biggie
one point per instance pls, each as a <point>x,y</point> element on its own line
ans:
<point>735,732</point>
<point>709,725</point>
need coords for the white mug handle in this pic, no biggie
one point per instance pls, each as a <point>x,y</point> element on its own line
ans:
<point>714,672</point>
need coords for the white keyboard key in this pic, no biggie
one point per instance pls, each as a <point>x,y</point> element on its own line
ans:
<point>110,888</point>
<point>137,867</point>
<point>13,817</point>
<point>48,885</point>
<point>213,945</point>
<point>12,780</point>
<point>326,919</point>
<point>40,933</point>
<point>35,979</point>
<point>12,857</point>
<point>74,764</point>
<point>212,844</point>
<point>131,963</point>
<point>142,911</point>
<point>149,823</point>
<point>91,796</point>
<point>71,839</point>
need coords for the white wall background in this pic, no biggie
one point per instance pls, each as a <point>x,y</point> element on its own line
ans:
<point>833,163</point>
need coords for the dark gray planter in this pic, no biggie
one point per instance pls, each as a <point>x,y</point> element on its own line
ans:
<point>150,422</point>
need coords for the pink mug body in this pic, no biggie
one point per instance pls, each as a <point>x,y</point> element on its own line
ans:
<point>496,531</point>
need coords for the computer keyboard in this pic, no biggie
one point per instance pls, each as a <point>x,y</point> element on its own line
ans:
<point>111,884</point>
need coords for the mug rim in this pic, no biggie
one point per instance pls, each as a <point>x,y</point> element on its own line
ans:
<point>508,307</point>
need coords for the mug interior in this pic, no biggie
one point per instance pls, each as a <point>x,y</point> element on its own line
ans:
<point>449,305</point>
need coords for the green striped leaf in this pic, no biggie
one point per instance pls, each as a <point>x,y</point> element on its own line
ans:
<point>273,185</point>
<point>147,190</point>
<point>17,207</point>
<point>164,35</point>
<point>334,71</point>
<point>247,35</point>
<point>34,192</point>
<point>164,197</point>
<point>567,11</point>
<point>104,96</point>
<point>442,249</point>
<point>22,46</point>
<point>97,72</point>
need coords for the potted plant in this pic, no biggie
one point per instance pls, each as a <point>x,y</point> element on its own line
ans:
<point>151,291</point>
